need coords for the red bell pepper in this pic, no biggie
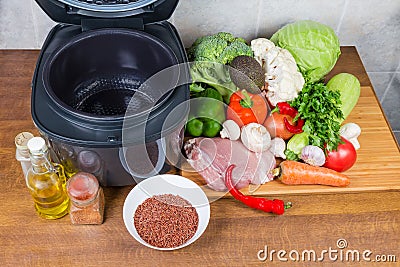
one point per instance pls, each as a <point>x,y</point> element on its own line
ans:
<point>245,108</point>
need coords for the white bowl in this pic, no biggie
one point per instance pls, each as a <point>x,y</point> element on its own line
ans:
<point>167,184</point>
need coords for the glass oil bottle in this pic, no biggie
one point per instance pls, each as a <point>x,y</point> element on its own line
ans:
<point>46,182</point>
<point>66,156</point>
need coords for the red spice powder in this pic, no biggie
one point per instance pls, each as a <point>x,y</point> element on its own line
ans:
<point>82,186</point>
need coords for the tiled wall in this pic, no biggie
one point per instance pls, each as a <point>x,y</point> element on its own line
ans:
<point>373,26</point>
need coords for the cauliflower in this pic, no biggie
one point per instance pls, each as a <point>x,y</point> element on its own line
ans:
<point>281,74</point>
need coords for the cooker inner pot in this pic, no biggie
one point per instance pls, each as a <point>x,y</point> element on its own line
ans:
<point>98,72</point>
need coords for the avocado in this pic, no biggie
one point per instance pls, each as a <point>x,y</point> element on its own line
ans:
<point>247,73</point>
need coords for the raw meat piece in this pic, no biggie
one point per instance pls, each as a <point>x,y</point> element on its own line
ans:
<point>210,157</point>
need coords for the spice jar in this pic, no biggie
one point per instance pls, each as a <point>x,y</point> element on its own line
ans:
<point>87,199</point>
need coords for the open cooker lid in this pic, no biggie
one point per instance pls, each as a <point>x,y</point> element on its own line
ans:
<point>76,11</point>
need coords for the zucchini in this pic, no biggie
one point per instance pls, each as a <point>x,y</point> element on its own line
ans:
<point>349,87</point>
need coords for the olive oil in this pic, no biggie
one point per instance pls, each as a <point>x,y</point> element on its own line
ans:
<point>46,186</point>
<point>69,168</point>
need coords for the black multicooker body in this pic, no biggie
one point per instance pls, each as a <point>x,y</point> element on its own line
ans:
<point>92,63</point>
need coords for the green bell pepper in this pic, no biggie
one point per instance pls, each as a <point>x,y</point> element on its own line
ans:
<point>206,114</point>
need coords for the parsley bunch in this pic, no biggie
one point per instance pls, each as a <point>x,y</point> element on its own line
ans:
<point>320,108</point>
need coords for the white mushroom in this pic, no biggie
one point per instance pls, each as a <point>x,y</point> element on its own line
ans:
<point>351,131</point>
<point>278,147</point>
<point>256,137</point>
<point>230,130</point>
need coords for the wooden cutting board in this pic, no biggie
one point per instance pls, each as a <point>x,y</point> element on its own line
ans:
<point>378,160</point>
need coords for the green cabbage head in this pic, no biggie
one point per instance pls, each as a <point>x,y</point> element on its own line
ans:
<point>314,46</point>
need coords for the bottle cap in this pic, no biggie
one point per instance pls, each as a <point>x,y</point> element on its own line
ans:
<point>21,141</point>
<point>37,145</point>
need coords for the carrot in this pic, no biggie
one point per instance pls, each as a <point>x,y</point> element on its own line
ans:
<point>294,173</point>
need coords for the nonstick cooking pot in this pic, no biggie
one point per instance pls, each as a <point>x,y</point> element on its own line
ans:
<point>96,73</point>
<point>91,85</point>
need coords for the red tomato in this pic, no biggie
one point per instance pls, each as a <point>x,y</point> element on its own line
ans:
<point>343,158</point>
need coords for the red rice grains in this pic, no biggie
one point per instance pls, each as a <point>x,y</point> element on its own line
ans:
<point>166,221</point>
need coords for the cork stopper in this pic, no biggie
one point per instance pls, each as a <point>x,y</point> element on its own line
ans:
<point>21,141</point>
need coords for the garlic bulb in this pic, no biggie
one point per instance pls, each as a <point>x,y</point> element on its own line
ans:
<point>313,155</point>
<point>255,137</point>
<point>230,130</point>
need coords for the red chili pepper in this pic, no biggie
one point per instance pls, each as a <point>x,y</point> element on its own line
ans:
<point>298,128</point>
<point>285,109</point>
<point>275,206</point>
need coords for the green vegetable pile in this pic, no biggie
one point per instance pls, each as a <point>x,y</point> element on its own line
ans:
<point>315,48</point>
<point>210,55</point>
<point>321,110</point>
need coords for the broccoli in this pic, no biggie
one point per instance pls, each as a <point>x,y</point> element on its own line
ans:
<point>210,55</point>
<point>235,49</point>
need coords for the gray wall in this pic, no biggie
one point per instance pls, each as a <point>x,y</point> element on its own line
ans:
<point>373,26</point>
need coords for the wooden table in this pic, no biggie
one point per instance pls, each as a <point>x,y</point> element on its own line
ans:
<point>235,236</point>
